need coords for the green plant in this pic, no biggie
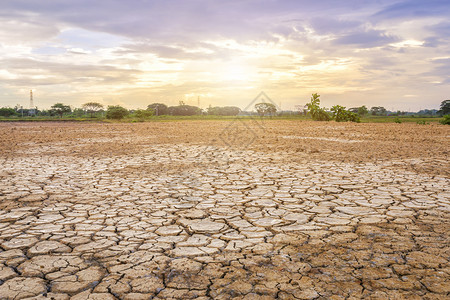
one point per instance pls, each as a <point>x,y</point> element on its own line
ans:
<point>397,120</point>
<point>143,114</point>
<point>353,117</point>
<point>445,120</point>
<point>317,113</point>
<point>422,122</point>
<point>340,114</point>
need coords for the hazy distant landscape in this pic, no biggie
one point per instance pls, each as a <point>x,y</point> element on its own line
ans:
<point>94,111</point>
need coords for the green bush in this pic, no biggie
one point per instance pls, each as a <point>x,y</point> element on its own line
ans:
<point>353,117</point>
<point>322,115</point>
<point>116,112</point>
<point>445,120</point>
<point>7,112</point>
<point>317,113</point>
<point>142,114</point>
<point>340,114</point>
<point>397,120</point>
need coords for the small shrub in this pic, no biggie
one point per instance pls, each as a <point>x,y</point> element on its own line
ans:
<point>397,120</point>
<point>353,117</point>
<point>322,115</point>
<point>143,114</point>
<point>422,122</point>
<point>445,120</point>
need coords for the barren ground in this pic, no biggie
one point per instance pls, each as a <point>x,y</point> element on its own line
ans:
<point>224,209</point>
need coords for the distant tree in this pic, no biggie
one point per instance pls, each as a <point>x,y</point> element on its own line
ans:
<point>20,111</point>
<point>60,109</point>
<point>230,111</point>
<point>362,110</point>
<point>116,112</point>
<point>317,113</point>
<point>184,110</point>
<point>45,112</point>
<point>378,111</point>
<point>428,112</point>
<point>159,108</point>
<point>265,109</point>
<point>7,112</point>
<point>92,107</point>
<point>445,108</point>
<point>223,111</point>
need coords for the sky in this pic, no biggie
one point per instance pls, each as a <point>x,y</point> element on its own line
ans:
<point>133,53</point>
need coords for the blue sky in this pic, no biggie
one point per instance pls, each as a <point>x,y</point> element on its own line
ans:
<point>375,53</point>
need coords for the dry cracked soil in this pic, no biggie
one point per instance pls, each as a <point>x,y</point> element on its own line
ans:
<point>224,209</point>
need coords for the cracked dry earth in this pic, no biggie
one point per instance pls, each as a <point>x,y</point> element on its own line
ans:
<point>121,211</point>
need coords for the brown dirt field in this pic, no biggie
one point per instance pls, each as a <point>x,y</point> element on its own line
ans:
<point>255,209</point>
<point>348,142</point>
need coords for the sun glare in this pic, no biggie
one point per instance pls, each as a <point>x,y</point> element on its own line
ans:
<point>235,72</point>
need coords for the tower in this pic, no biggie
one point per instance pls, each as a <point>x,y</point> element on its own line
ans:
<point>31,99</point>
<point>32,110</point>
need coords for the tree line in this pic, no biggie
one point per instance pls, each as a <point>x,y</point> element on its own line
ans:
<point>95,109</point>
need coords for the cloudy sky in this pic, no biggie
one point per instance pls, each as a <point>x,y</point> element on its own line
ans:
<point>375,53</point>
